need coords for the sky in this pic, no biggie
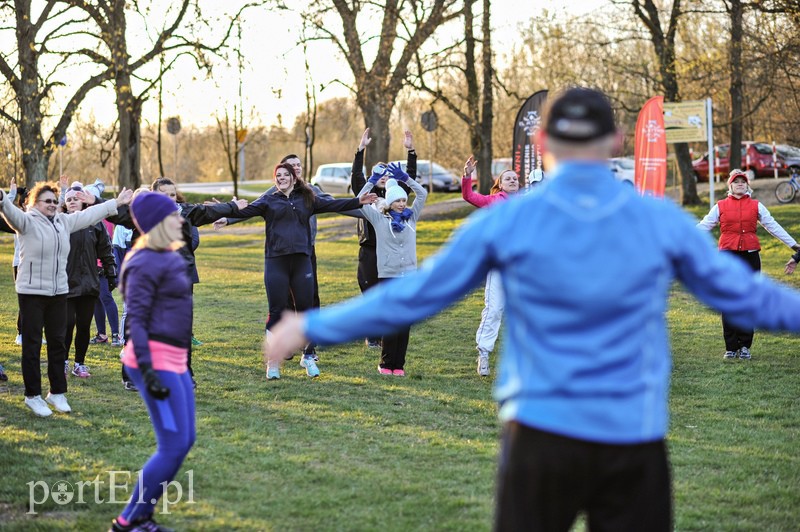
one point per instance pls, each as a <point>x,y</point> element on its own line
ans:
<point>273,83</point>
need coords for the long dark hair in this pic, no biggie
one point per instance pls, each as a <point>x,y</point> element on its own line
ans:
<point>299,185</point>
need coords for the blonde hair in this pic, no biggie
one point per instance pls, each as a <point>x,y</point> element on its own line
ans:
<point>158,239</point>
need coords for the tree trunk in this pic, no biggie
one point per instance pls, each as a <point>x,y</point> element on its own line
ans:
<point>737,84</point>
<point>487,114</point>
<point>376,118</point>
<point>29,99</point>
<point>664,45</point>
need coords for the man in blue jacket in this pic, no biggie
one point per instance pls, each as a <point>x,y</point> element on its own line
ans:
<point>583,380</point>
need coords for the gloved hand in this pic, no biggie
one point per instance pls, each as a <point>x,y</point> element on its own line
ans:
<point>396,171</point>
<point>152,383</point>
<point>378,171</point>
<point>112,283</point>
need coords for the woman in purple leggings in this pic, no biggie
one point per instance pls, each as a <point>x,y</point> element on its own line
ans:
<point>158,295</point>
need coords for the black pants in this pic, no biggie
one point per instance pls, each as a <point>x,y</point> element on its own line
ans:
<point>315,297</point>
<point>80,311</point>
<point>545,480</point>
<point>19,314</point>
<point>736,338</point>
<point>49,312</point>
<point>367,273</point>
<point>285,277</point>
<point>394,346</point>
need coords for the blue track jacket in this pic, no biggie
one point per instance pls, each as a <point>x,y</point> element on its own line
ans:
<point>587,266</point>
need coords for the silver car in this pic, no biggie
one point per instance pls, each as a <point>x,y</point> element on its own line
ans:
<point>333,178</point>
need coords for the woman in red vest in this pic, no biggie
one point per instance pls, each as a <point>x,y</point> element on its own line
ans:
<point>738,216</point>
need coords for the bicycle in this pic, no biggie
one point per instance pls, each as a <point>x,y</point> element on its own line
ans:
<point>786,191</point>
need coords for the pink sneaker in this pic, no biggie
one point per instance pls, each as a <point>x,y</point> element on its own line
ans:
<point>384,371</point>
<point>398,373</point>
<point>81,371</point>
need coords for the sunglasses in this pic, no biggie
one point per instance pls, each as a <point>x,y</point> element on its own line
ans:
<point>49,201</point>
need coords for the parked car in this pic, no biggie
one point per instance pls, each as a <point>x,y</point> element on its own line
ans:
<point>623,168</point>
<point>333,178</point>
<point>500,165</point>
<point>443,180</point>
<point>791,156</point>
<point>761,163</point>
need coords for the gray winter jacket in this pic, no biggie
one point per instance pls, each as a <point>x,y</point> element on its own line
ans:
<point>396,252</point>
<point>44,244</point>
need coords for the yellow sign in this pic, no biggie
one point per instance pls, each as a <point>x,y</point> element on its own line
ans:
<point>241,135</point>
<point>685,121</point>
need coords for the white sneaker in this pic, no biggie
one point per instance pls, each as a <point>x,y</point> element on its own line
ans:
<point>18,341</point>
<point>59,402</point>
<point>38,406</point>
<point>483,364</point>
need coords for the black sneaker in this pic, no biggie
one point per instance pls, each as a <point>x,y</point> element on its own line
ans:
<point>129,385</point>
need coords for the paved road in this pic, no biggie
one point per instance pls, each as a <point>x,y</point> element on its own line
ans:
<point>224,189</point>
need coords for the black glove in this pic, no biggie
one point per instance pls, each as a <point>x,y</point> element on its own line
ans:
<point>112,283</point>
<point>152,383</point>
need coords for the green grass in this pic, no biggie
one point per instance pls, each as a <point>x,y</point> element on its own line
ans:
<point>356,451</point>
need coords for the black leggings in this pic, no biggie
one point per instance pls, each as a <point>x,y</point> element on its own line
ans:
<point>285,275</point>
<point>394,346</point>
<point>736,338</point>
<point>80,311</point>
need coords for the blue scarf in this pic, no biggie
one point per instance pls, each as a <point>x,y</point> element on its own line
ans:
<point>398,218</point>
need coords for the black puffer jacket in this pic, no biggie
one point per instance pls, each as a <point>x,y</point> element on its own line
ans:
<point>85,247</point>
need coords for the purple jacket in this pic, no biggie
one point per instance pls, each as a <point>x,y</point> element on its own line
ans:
<point>158,295</point>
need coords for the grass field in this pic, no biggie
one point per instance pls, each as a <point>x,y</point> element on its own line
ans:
<point>356,451</point>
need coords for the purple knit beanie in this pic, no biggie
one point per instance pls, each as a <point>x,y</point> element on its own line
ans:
<point>150,208</point>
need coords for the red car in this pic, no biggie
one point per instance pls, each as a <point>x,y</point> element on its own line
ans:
<point>761,162</point>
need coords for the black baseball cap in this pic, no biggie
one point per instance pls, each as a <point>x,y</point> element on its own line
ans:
<point>579,115</point>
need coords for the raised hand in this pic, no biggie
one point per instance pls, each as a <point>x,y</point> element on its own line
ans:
<point>124,197</point>
<point>240,203</point>
<point>378,171</point>
<point>408,140</point>
<point>470,166</point>
<point>396,171</point>
<point>63,182</point>
<point>365,140</point>
<point>86,197</point>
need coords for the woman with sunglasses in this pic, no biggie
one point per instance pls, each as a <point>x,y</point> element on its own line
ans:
<point>738,217</point>
<point>42,285</point>
<point>86,246</point>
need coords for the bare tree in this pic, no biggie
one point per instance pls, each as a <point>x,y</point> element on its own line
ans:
<point>664,44</point>
<point>405,26</point>
<point>478,114</point>
<point>736,11</point>
<point>38,35</point>
<point>178,36</point>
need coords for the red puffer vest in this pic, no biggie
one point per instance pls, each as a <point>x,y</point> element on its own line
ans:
<point>738,221</point>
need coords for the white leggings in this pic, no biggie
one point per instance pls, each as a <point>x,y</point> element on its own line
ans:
<point>492,315</point>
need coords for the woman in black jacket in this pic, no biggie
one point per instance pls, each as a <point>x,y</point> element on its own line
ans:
<point>86,247</point>
<point>287,212</point>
